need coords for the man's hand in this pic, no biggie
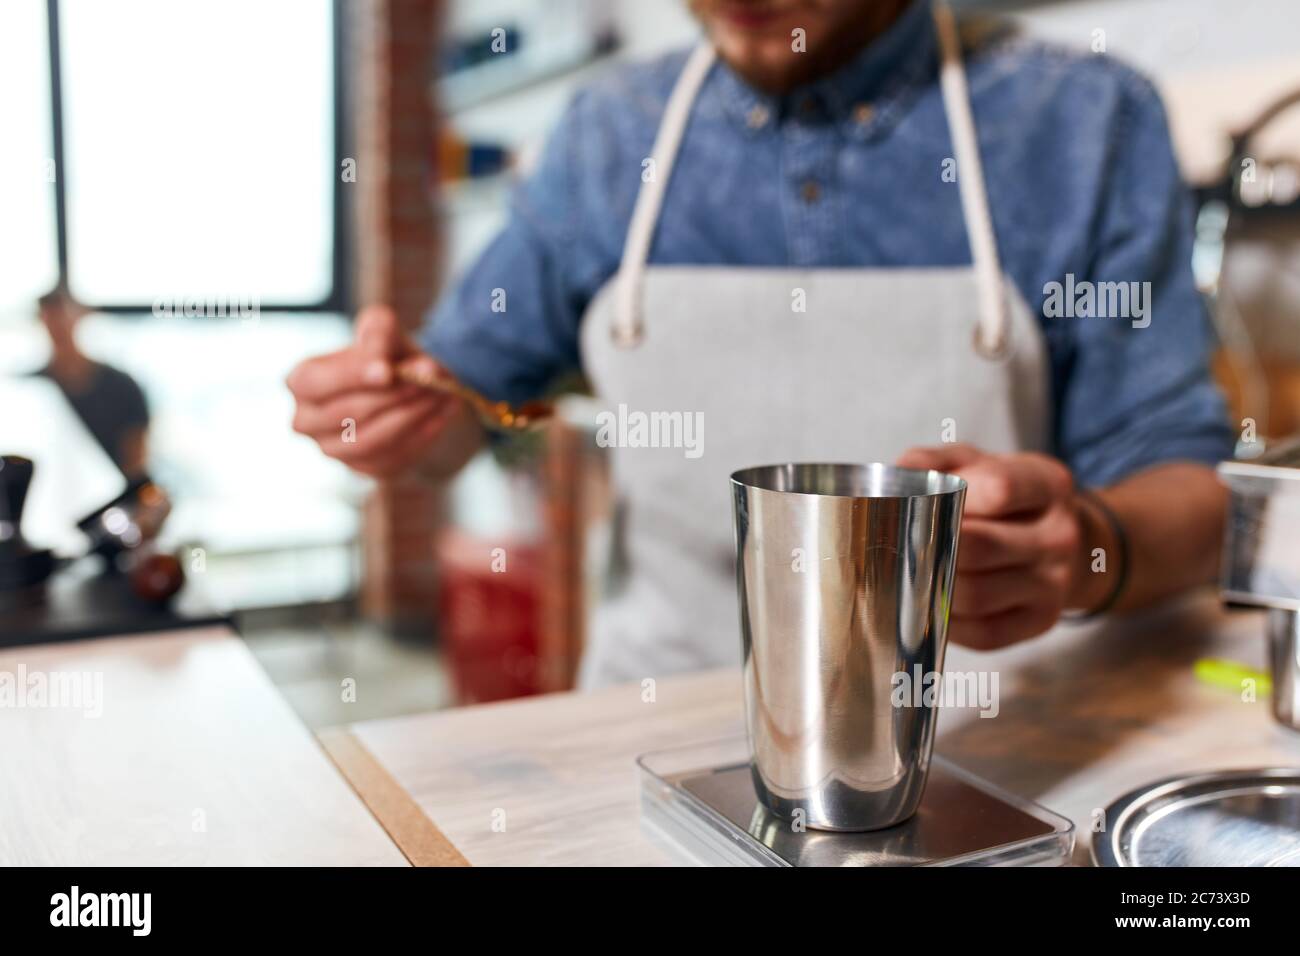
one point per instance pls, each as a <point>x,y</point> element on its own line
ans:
<point>1021,543</point>
<point>353,404</point>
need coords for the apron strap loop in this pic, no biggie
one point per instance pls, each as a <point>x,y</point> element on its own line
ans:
<point>628,327</point>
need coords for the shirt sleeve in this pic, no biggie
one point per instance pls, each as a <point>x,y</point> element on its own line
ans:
<point>1138,390</point>
<point>510,326</point>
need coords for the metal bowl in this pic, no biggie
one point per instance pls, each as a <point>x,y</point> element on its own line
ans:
<point>1227,818</point>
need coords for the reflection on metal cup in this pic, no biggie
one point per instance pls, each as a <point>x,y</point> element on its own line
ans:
<point>845,576</point>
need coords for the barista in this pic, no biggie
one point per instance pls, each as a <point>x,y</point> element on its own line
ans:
<point>831,229</point>
<point>107,400</point>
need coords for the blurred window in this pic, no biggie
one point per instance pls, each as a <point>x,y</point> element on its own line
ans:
<point>28,246</point>
<point>198,161</point>
<point>199,149</point>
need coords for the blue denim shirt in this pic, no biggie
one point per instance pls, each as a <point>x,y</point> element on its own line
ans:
<point>847,172</point>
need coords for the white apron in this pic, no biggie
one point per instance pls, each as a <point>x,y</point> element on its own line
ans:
<point>881,360</point>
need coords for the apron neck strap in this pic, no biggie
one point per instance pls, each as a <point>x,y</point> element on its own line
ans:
<point>654,180</point>
<point>991,333</point>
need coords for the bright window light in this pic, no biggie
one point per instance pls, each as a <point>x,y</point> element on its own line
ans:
<point>28,250</point>
<point>199,145</point>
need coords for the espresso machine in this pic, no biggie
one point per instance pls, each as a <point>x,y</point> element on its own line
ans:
<point>23,568</point>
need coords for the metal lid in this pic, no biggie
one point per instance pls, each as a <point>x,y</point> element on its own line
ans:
<point>1229,818</point>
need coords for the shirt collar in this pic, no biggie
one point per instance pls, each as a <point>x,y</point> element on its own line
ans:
<point>864,96</point>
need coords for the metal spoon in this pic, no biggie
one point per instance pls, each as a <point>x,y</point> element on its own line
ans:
<point>499,415</point>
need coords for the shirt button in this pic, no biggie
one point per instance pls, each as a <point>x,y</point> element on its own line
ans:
<point>757,117</point>
<point>810,191</point>
<point>862,113</point>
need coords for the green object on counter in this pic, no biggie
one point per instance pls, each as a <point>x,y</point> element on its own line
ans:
<point>1231,674</point>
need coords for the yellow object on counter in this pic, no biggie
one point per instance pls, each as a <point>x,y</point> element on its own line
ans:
<point>1231,674</point>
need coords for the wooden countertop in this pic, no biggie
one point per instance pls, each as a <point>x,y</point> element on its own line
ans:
<point>1086,714</point>
<point>194,758</point>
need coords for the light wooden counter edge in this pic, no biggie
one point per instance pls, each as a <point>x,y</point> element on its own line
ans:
<point>406,824</point>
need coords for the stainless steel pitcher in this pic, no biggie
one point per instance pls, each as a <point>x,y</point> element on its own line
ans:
<point>845,577</point>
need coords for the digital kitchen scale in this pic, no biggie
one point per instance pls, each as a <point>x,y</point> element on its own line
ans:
<point>701,800</point>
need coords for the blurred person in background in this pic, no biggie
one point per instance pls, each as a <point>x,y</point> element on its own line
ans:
<point>107,400</point>
<point>924,191</point>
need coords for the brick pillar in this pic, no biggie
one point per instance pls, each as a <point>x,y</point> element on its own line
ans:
<point>563,607</point>
<point>393,49</point>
